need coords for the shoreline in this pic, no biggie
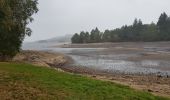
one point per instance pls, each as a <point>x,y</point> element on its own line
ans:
<point>154,84</point>
<point>113,44</point>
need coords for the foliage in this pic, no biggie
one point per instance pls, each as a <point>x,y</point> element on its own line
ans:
<point>75,38</point>
<point>164,26</point>
<point>95,36</point>
<point>27,82</point>
<point>132,33</point>
<point>15,15</point>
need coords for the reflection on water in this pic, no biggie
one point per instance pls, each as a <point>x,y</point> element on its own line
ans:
<point>96,58</point>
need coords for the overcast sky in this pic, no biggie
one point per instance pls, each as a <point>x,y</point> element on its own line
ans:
<point>60,17</point>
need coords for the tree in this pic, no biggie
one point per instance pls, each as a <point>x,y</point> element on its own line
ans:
<point>123,33</point>
<point>162,22</point>
<point>75,38</point>
<point>135,32</point>
<point>15,15</point>
<point>168,25</point>
<point>163,26</point>
<point>150,33</point>
<point>87,37</point>
<point>106,36</point>
<point>137,28</point>
<point>96,35</point>
<point>82,37</point>
<point>115,35</point>
<point>92,36</point>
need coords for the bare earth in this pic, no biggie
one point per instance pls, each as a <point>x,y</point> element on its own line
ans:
<point>41,58</point>
<point>155,84</point>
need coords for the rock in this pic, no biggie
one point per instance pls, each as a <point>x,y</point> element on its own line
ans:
<point>149,90</point>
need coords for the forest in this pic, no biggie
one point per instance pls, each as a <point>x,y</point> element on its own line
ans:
<point>137,32</point>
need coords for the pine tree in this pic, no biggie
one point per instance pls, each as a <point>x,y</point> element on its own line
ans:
<point>75,38</point>
<point>106,36</point>
<point>163,26</point>
<point>82,37</point>
<point>87,37</point>
<point>96,35</point>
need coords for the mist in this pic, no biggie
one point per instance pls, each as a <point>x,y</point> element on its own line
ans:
<point>60,17</point>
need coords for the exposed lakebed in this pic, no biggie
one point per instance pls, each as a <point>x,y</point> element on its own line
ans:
<point>145,59</point>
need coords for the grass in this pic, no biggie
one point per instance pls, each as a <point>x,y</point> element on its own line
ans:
<point>28,82</point>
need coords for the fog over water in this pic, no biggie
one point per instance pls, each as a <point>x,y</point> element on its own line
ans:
<point>60,17</point>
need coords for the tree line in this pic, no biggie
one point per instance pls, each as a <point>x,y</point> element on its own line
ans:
<point>15,15</point>
<point>132,33</point>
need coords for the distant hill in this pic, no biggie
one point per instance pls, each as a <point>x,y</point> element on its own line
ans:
<point>41,44</point>
<point>59,39</point>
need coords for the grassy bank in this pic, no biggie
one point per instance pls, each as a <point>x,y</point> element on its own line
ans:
<point>27,82</point>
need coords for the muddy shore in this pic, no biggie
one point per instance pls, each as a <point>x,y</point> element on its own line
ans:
<point>42,58</point>
<point>155,84</point>
<point>117,44</point>
<point>131,51</point>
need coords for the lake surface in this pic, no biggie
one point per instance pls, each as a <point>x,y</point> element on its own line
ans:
<point>100,58</point>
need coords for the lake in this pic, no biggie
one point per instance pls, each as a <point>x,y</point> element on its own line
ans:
<point>117,59</point>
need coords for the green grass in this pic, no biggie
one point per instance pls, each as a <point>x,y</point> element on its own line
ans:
<point>28,82</point>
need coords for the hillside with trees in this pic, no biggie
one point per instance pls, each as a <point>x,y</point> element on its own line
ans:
<point>138,31</point>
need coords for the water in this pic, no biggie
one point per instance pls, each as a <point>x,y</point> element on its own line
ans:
<point>121,65</point>
<point>98,58</point>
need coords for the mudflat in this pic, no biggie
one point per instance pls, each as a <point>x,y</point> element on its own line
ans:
<point>128,57</point>
<point>153,57</point>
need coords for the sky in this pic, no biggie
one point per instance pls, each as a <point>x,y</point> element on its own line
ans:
<point>62,17</point>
